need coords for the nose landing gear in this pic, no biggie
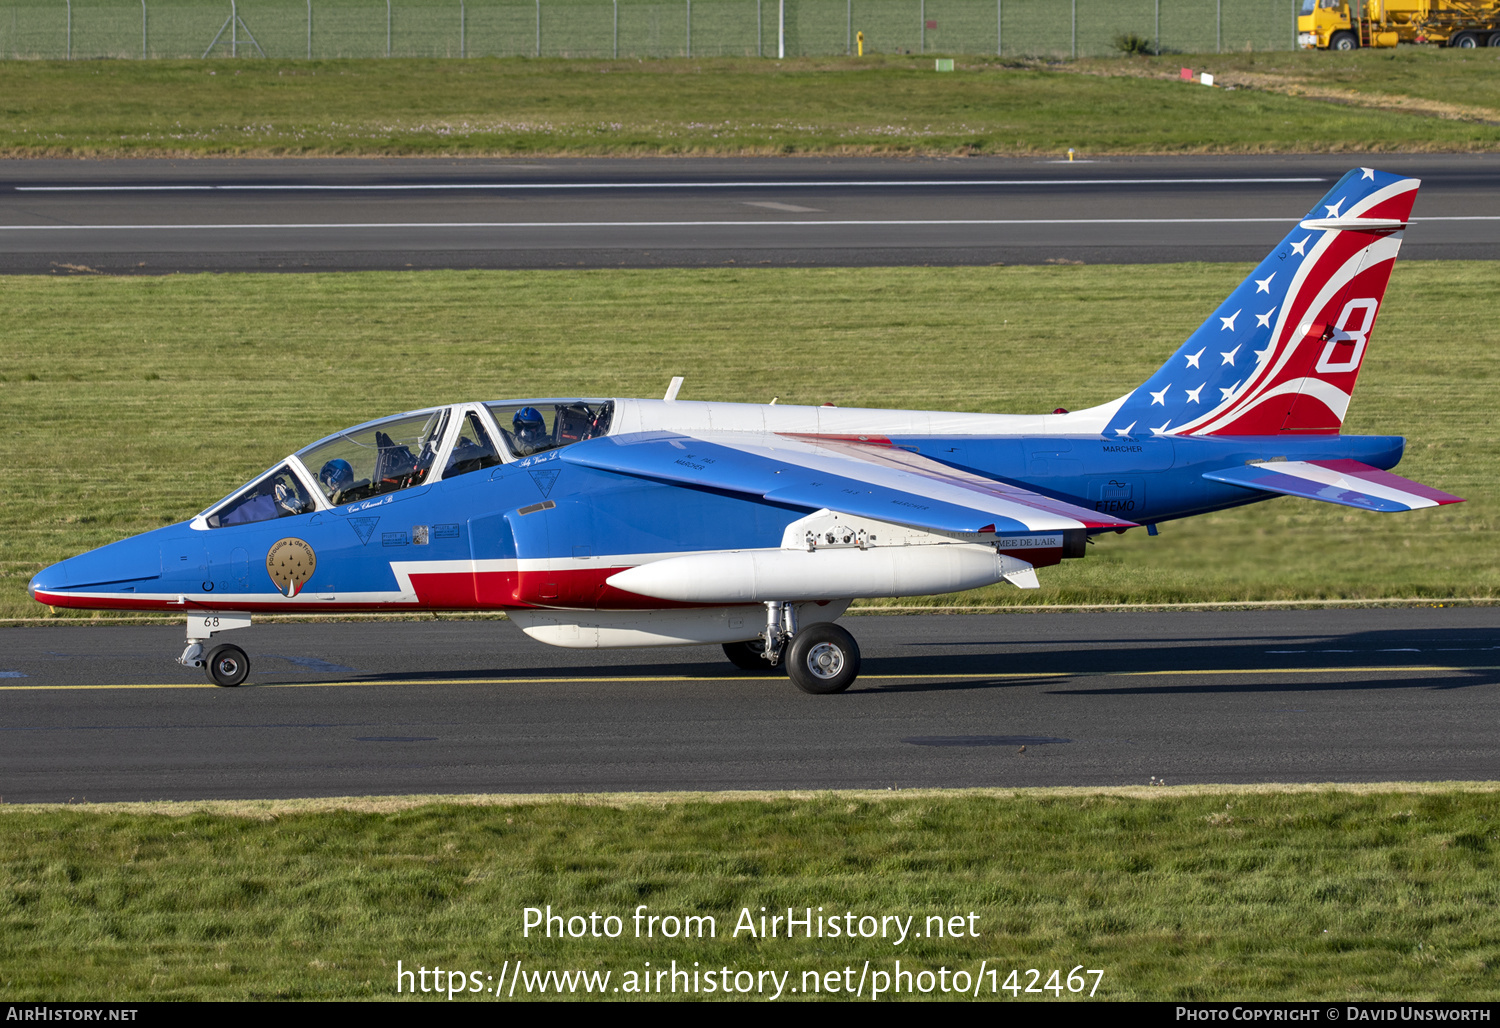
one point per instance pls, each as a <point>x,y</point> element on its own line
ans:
<point>225,663</point>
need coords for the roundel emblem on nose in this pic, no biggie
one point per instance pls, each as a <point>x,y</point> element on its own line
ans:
<point>291,563</point>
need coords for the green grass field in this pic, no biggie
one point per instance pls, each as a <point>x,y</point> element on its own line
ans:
<point>883,104</point>
<point>129,403</point>
<point>1378,893</point>
<point>1437,83</point>
<point>126,29</point>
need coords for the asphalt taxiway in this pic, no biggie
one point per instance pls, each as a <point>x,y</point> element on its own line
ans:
<point>1017,699</point>
<point>159,216</point>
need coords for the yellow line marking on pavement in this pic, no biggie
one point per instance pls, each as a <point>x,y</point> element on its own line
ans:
<point>513,681</point>
<point>945,677</point>
<point>143,685</point>
<point>1318,670</point>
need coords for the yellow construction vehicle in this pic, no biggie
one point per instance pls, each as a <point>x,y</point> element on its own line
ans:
<point>1351,24</point>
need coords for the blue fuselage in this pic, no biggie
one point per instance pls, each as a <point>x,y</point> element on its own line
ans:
<point>471,541</point>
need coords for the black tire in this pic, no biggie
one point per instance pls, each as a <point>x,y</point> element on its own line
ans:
<point>748,656</point>
<point>1495,39</point>
<point>227,665</point>
<point>823,659</point>
<point>1464,41</point>
<point>1344,41</point>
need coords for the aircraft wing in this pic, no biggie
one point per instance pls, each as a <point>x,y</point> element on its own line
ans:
<point>865,479</point>
<point>1345,482</point>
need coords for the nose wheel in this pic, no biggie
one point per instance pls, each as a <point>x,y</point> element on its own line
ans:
<point>227,665</point>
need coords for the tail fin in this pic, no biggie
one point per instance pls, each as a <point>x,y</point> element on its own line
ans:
<point>1282,353</point>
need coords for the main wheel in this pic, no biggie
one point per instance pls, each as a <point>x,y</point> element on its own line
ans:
<point>823,659</point>
<point>1464,41</point>
<point>227,665</point>
<point>1495,39</point>
<point>748,656</point>
<point>1344,41</point>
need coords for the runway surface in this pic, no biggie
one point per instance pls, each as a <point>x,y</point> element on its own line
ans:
<point>102,713</point>
<point>158,216</point>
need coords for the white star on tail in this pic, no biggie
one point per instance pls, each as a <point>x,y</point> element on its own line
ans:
<point>1264,320</point>
<point>1369,173</point>
<point>1192,358</point>
<point>1229,357</point>
<point>1163,429</point>
<point>1160,397</point>
<point>1263,285</point>
<point>1300,248</point>
<point>1124,432</point>
<point>1192,394</point>
<point>1229,322</point>
<point>1261,355</point>
<point>1230,391</point>
<point>1333,212</point>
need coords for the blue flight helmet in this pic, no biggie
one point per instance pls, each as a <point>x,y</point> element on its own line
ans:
<point>530,429</point>
<point>337,475</point>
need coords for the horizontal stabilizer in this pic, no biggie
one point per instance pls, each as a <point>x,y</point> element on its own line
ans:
<point>1354,224</point>
<point>865,481</point>
<point>1345,482</point>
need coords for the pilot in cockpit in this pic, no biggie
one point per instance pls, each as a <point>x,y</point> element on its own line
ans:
<point>531,433</point>
<point>337,475</point>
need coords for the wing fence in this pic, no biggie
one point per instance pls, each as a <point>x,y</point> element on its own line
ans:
<point>95,29</point>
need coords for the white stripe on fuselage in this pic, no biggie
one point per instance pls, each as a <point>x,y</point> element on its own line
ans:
<point>405,569</point>
<point>693,417</point>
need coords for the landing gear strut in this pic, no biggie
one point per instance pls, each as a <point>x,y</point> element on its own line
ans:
<point>226,664</point>
<point>781,625</point>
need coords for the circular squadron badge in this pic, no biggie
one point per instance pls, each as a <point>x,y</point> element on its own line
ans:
<point>291,564</point>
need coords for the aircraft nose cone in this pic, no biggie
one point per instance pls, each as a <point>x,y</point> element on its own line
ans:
<point>93,580</point>
<point>47,580</point>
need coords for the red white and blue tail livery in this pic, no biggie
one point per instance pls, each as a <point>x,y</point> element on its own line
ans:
<point>598,522</point>
<point>1283,352</point>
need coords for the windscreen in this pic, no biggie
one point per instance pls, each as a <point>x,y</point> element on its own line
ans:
<point>278,495</point>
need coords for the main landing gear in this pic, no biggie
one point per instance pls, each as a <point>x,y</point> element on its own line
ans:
<point>821,658</point>
<point>225,663</point>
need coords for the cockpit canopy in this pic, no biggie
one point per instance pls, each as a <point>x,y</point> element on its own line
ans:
<point>379,457</point>
<point>410,449</point>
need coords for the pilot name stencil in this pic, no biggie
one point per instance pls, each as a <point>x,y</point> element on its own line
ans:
<point>540,458</point>
<point>353,507</point>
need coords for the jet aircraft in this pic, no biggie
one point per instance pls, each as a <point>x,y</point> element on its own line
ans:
<point>612,522</point>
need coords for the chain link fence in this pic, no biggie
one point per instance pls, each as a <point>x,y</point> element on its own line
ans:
<point>93,29</point>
